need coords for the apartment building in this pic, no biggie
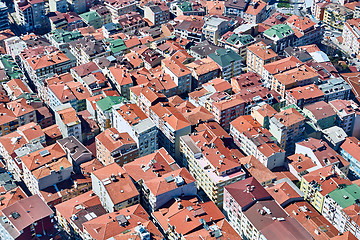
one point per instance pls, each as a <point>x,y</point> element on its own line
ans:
<point>215,27</point>
<point>287,127</point>
<point>348,116</point>
<point>113,177</point>
<point>258,55</point>
<point>30,14</point>
<point>230,62</point>
<point>301,75</point>
<point>335,15</point>
<point>338,203</point>
<point>228,109</point>
<point>172,125</point>
<point>45,167</point>
<point>350,150</point>
<point>130,22</point>
<point>122,80</point>
<point>79,6</point>
<point>103,110</point>
<point>157,13</point>
<point>306,31</point>
<point>322,154</point>
<point>186,217</point>
<point>68,121</point>
<point>115,147</point>
<point>131,119</point>
<point>319,183</point>
<point>321,114</point>
<point>335,88</point>
<point>119,7</point>
<point>212,164</point>
<point>255,140</point>
<point>256,12</point>
<point>351,35</point>
<point>25,218</point>
<point>255,215</point>
<point>180,74</point>
<point>304,95</point>
<point>282,35</point>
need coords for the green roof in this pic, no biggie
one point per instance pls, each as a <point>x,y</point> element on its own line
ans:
<point>280,31</point>
<point>117,45</point>
<point>10,67</point>
<point>243,39</point>
<point>62,36</point>
<point>106,103</point>
<point>224,57</point>
<point>90,16</point>
<point>186,7</point>
<point>346,195</point>
<point>30,97</point>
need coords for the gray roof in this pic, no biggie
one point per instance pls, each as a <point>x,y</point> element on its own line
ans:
<point>76,149</point>
<point>204,48</point>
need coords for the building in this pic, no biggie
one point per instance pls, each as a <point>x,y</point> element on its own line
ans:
<point>79,6</point>
<point>87,49</point>
<point>104,110</point>
<point>49,60</point>
<point>157,13</point>
<point>256,12</point>
<point>130,222</point>
<point>131,119</point>
<point>317,184</point>
<point>30,14</point>
<point>119,7</point>
<point>172,125</point>
<point>122,80</point>
<point>76,152</point>
<point>58,6</point>
<point>349,150</point>
<point>71,213</point>
<point>103,12</point>
<point>4,19</point>
<point>212,164</point>
<point>68,121</point>
<point>255,215</point>
<point>335,88</point>
<point>203,70</point>
<point>25,218</point>
<point>215,27</point>
<point>114,187</point>
<point>351,36</point>
<point>191,30</point>
<point>335,15</point>
<point>287,127</point>
<point>130,22</point>
<point>258,55</point>
<point>186,218</point>
<point>115,147</point>
<point>336,207</point>
<point>348,116</point>
<point>306,31</point>
<point>322,154</point>
<point>304,95</point>
<point>160,183</point>
<point>321,114</point>
<point>235,8</point>
<point>230,62</point>
<point>282,35</point>
<point>300,75</point>
<point>180,74</point>
<point>255,140</point>
<point>152,171</point>
<point>45,167</point>
<point>312,221</point>
<point>227,109</point>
